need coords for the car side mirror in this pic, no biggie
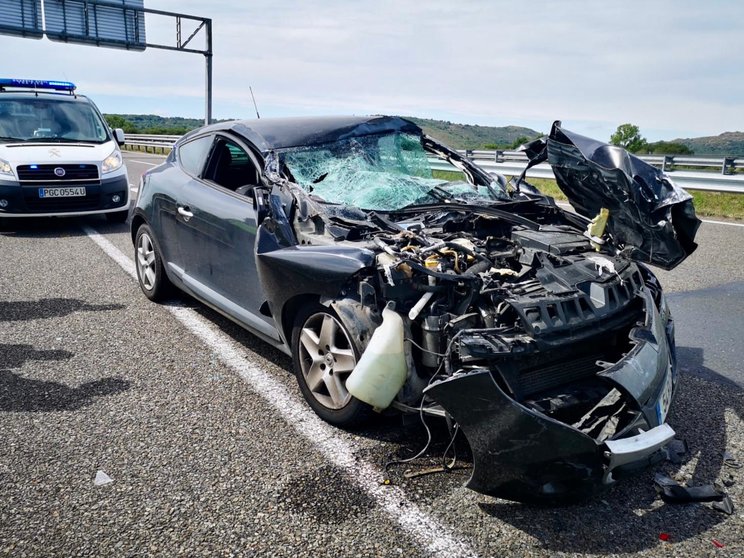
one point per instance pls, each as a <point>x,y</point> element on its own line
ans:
<point>260,199</point>
<point>260,204</point>
<point>119,136</point>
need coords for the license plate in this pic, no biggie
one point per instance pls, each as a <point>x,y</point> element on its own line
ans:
<point>662,407</point>
<point>62,192</point>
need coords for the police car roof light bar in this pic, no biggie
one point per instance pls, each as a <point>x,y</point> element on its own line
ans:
<point>37,84</point>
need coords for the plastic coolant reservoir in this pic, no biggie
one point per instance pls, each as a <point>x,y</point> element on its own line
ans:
<point>382,370</point>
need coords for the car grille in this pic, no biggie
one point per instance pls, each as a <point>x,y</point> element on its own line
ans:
<point>45,173</point>
<point>556,374</point>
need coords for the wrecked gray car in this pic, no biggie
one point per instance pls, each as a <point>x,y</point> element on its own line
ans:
<point>538,332</point>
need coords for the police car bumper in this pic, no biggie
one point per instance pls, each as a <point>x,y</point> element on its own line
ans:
<point>108,195</point>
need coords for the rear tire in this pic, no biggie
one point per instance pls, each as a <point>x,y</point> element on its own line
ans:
<point>150,272</point>
<point>117,217</point>
<point>323,355</point>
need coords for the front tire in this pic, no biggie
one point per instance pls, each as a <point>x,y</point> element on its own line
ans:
<point>324,356</point>
<point>150,272</point>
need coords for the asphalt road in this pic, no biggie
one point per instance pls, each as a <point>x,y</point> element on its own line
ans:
<point>212,451</point>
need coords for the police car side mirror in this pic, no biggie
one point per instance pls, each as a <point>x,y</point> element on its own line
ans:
<point>119,136</point>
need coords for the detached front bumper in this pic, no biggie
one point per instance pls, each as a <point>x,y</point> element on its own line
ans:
<point>521,454</point>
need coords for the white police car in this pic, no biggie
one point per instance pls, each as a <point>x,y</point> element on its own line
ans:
<point>58,157</point>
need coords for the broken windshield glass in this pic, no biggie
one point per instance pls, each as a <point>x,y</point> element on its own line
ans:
<point>380,172</point>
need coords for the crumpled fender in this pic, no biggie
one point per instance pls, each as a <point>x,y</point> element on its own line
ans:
<point>651,218</point>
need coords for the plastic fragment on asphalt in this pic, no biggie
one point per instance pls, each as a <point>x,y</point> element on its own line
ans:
<point>730,461</point>
<point>664,537</point>
<point>102,478</point>
<point>676,450</point>
<point>716,543</point>
<point>674,493</point>
<point>726,505</point>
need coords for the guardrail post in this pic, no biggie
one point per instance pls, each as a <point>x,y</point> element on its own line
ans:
<point>469,154</point>
<point>728,165</point>
<point>499,156</point>
<point>668,163</point>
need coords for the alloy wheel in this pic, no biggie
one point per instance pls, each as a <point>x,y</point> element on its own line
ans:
<point>326,359</point>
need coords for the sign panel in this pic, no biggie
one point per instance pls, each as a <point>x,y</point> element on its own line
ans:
<point>21,17</point>
<point>109,23</point>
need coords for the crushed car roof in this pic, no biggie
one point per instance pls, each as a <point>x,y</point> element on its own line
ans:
<point>282,133</point>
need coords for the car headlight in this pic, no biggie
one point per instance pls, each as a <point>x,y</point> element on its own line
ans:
<point>5,168</point>
<point>112,162</point>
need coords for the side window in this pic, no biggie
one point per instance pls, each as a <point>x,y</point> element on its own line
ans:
<point>191,155</point>
<point>231,167</point>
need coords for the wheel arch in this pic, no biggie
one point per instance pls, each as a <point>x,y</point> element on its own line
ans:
<point>290,310</point>
<point>137,221</point>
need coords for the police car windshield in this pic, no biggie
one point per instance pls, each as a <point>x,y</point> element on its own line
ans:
<point>35,119</point>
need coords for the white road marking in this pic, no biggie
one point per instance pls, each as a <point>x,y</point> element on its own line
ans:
<point>722,223</point>
<point>437,538</point>
<point>143,162</point>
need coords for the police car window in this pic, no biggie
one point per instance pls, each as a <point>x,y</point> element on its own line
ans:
<point>192,155</point>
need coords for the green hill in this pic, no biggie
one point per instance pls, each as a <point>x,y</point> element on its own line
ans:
<point>472,136</point>
<point>725,144</point>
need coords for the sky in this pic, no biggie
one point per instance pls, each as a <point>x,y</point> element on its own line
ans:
<point>671,67</point>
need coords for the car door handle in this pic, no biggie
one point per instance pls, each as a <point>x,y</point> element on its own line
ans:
<point>185,213</point>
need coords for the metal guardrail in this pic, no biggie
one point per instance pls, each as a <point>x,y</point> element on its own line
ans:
<point>512,163</point>
<point>154,141</point>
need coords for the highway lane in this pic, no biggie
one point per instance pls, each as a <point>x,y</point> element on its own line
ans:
<point>205,462</point>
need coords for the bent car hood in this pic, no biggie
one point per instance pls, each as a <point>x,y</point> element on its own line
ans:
<point>651,218</point>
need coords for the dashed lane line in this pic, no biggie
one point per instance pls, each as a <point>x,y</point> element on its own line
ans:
<point>437,538</point>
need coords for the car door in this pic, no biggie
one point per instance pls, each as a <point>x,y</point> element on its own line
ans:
<point>188,163</point>
<point>218,221</point>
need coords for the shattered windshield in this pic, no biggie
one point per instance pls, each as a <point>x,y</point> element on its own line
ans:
<point>380,172</point>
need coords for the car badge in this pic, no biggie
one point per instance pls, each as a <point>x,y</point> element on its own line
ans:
<point>59,171</point>
<point>54,152</point>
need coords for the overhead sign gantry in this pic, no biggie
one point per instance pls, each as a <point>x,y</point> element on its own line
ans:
<point>105,23</point>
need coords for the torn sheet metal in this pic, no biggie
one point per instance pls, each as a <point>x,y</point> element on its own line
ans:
<point>652,218</point>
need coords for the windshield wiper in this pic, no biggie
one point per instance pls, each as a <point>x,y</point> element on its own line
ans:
<point>10,138</point>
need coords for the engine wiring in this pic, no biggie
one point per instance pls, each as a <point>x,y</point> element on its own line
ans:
<point>391,462</point>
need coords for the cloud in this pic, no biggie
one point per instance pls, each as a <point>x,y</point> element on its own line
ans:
<point>666,66</point>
